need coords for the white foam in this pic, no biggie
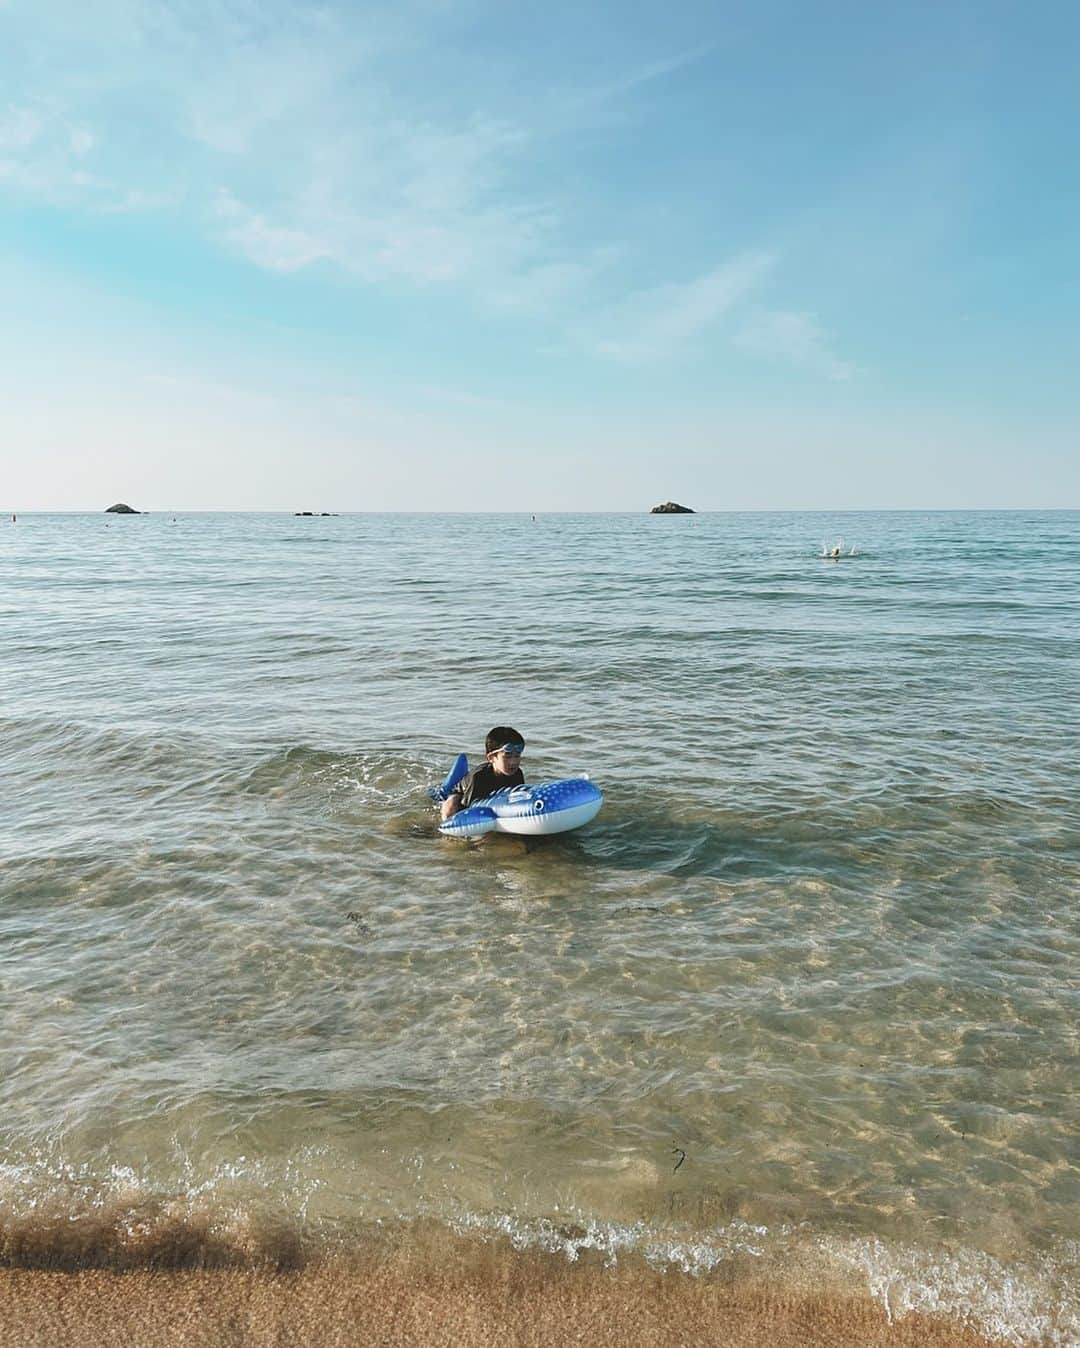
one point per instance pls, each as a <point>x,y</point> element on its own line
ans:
<point>1021,1304</point>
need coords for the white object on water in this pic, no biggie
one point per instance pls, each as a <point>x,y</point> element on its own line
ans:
<point>837,550</point>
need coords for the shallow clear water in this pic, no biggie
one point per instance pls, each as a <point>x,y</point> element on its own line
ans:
<point>809,980</point>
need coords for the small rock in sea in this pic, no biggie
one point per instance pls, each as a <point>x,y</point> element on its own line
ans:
<point>303,512</point>
<point>670,508</point>
<point>121,509</point>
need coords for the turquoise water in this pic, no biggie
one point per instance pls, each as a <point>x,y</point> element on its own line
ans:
<point>804,993</point>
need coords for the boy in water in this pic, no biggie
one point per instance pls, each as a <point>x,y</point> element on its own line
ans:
<point>504,746</point>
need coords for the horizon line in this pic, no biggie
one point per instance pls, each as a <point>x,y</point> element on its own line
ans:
<point>722,510</point>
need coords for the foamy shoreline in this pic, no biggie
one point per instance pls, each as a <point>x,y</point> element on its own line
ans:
<point>148,1274</point>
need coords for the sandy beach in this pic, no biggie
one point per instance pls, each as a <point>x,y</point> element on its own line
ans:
<point>486,1296</point>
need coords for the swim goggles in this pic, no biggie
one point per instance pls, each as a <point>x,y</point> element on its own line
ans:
<point>516,749</point>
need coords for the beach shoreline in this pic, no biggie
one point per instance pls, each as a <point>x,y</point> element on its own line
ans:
<point>485,1295</point>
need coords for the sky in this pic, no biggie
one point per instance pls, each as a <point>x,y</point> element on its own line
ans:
<point>487,255</point>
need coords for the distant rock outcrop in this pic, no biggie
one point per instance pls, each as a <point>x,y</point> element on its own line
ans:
<point>670,508</point>
<point>122,509</point>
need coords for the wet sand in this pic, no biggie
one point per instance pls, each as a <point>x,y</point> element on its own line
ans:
<point>484,1296</point>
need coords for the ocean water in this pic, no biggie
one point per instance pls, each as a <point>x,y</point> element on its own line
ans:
<point>800,1005</point>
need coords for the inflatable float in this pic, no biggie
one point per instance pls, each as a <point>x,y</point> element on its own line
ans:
<point>546,807</point>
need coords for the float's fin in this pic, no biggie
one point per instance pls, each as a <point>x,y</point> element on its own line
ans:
<point>459,770</point>
<point>470,823</point>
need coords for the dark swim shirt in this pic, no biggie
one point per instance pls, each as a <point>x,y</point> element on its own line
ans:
<point>484,781</point>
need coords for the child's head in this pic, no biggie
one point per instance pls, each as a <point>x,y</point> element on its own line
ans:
<point>504,746</point>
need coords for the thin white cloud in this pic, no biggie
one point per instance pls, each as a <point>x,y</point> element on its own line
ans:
<point>48,157</point>
<point>260,78</point>
<point>549,287</point>
<point>274,247</point>
<point>137,201</point>
<point>647,74</point>
<point>81,140</point>
<point>297,136</point>
<point>796,338</point>
<point>611,102</point>
<point>292,126</point>
<point>494,251</point>
<point>657,323</point>
<point>396,200</point>
<point>41,153</point>
<point>19,129</point>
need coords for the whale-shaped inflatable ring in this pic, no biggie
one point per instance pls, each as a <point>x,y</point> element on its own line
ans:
<point>546,808</point>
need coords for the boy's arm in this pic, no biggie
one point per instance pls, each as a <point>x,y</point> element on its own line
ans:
<point>460,796</point>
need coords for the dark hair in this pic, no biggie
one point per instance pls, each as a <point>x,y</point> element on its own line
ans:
<point>499,735</point>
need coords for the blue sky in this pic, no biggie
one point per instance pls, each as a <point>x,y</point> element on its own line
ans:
<point>487,256</point>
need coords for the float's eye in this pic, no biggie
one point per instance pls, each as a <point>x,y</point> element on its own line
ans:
<point>538,804</point>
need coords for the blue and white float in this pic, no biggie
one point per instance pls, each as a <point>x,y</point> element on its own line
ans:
<point>546,807</point>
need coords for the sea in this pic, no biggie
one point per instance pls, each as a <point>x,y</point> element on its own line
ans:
<point>798,1011</point>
